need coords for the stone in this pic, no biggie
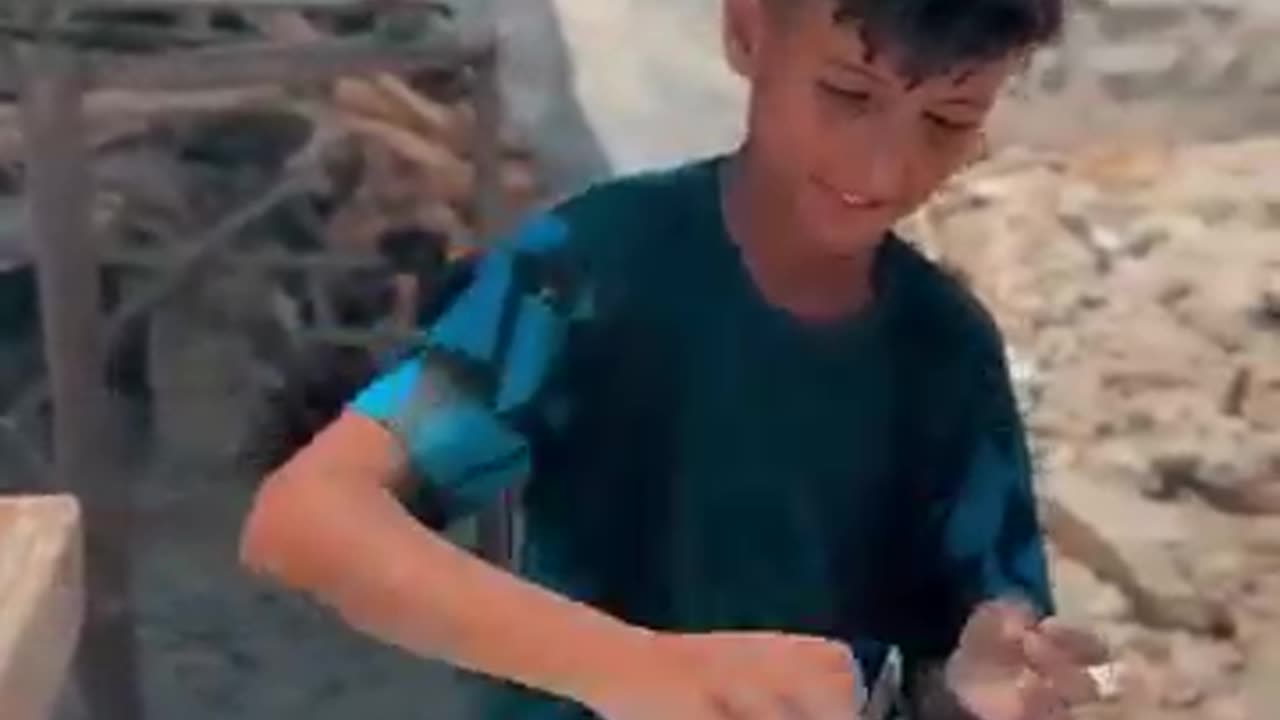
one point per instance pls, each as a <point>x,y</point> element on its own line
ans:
<point>1262,539</point>
<point>1268,308</point>
<point>1261,688</point>
<point>1227,707</point>
<point>1208,664</point>
<point>1177,691</point>
<point>1240,482</point>
<point>1094,525</point>
<point>1123,20</point>
<point>1082,596</point>
<point>1260,403</point>
<point>1229,467</point>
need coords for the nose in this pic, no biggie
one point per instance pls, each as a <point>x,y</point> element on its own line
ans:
<point>888,164</point>
<point>883,159</point>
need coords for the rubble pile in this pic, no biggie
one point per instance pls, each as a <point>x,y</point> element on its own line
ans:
<point>1138,285</point>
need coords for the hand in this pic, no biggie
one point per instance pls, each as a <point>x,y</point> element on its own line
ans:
<point>1009,666</point>
<point>731,676</point>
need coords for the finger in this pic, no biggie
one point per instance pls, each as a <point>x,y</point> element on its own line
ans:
<point>997,627</point>
<point>832,697</point>
<point>823,685</point>
<point>1037,698</point>
<point>823,653</point>
<point>1017,616</point>
<point>1084,647</point>
<point>748,702</point>
<point>1069,680</point>
<point>808,708</point>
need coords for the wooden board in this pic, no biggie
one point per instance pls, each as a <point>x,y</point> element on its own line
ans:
<point>41,601</point>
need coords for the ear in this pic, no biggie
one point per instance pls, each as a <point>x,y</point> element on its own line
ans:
<point>743,31</point>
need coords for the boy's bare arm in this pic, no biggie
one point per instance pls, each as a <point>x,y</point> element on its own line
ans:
<point>328,523</point>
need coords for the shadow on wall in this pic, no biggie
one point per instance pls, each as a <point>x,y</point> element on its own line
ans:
<point>537,75</point>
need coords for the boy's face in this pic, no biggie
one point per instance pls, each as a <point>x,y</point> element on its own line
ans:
<point>846,143</point>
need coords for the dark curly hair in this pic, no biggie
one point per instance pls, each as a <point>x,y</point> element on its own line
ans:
<point>930,37</point>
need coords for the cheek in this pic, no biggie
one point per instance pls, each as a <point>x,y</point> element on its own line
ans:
<point>935,166</point>
<point>784,122</point>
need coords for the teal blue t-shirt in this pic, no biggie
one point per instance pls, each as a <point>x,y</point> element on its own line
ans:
<point>692,458</point>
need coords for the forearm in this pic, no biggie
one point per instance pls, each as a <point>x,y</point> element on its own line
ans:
<point>355,549</point>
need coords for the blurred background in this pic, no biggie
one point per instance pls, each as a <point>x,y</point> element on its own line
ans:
<point>1125,230</point>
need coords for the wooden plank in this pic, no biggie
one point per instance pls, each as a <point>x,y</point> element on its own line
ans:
<point>111,114</point>
<point>58,194</point>
<point>41,601</point>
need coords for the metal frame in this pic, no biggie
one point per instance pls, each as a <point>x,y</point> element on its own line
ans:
<point>55,82</point>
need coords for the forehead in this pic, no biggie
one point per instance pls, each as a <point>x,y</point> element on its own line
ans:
<point>815,33</point>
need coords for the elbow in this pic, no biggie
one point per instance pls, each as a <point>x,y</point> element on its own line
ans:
<point>267,529</point>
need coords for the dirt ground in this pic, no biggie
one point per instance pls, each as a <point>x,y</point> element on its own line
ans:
<point>217,644</point>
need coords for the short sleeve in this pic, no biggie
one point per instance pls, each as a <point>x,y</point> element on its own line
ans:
<point>981,537</point>
<point>992,544</point>
<point>463,403</point>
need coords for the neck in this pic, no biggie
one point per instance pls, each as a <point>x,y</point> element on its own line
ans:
<point>789,267</point>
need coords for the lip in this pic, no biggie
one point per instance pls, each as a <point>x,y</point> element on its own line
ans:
<point>849,199</point>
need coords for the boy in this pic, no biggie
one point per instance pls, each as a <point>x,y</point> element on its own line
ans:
<point>761,440</point>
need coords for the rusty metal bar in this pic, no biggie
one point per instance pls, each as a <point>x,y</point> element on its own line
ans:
<point>110,114</point>
<point>270,261</point>
<point>51,81</point>
<point>353,337</point>
<point>232,4</point>
<point>62,6</point>
<point>205,248</point>
<point>258,63</point>
<point>286,63</point>
<point>68,277</point>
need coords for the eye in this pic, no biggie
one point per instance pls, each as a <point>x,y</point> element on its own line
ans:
<point>943,122</point>
<point>845,94</point>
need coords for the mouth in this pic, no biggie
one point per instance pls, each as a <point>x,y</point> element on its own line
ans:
<point>851,199</point>
<point>854,200</point>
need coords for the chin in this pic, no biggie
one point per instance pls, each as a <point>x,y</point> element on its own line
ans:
<point>849,242</point>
